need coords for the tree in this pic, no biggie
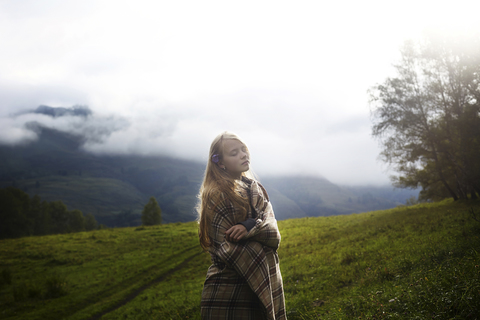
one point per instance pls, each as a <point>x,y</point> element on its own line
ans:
<point>44,224</point>
<point>59,213</point>
<point>34,215</point>
<point>14,204</point>
<point>427,118</point>
<point>76,221</point>
<point>90,222</point>
<point>21,216</point>
<point>151,214</point>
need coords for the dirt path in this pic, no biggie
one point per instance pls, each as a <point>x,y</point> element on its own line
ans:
<point>135,293</point>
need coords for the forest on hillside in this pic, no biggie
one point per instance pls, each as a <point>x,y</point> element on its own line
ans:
<point>22,216</point>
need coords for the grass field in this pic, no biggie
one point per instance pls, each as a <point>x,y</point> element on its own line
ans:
<point>419,262</point>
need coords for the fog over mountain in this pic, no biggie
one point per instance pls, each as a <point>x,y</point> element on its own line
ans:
<point>114,188</point>
<point>277,147</point>
<point>21,128</point>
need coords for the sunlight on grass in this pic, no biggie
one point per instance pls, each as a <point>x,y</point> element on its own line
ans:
<point>405,263</point>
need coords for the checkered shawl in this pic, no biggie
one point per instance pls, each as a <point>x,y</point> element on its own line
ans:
<point>254,259</point>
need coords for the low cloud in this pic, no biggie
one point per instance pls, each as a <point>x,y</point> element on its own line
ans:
<point>286,132</point>
<point>15,132</point>
<point>23,127</point>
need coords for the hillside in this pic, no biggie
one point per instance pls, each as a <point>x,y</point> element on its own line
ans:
<point>115,188</point>
<point>316,196</point>
<point>406,263</point>
<point>56,168</point>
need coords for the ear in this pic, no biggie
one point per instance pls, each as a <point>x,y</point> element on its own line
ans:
<point>221,165</point>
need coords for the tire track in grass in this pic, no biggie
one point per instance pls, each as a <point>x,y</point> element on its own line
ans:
<point>138,291</point>
<point>72,309</point>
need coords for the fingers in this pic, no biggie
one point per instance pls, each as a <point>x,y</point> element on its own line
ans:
<point>240,235</point>
<point>236,233</point>
<point>231,235</point>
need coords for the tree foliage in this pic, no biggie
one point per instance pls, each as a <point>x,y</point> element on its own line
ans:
<point>427,118</point>
<point>21,216</point>
<point>90,222</point>
<point>151,214</point>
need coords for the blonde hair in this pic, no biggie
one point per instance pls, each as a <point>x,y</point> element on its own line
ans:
<point>215,182</point>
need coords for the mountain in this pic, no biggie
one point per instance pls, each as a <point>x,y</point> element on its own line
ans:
<point>316,196</point>
<point>55,168</point>
<point>115,188</point>
<point>60,112</point>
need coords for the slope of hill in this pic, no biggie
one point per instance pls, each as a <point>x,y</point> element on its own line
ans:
<point>414,262</point>
<point>317,196</point>
<point>114,188</point>
<point>56,168</point>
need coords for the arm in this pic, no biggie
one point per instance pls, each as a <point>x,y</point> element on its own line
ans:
<point>236,233</point>
<point>265,231</point>
<point>225,231</point>
<point>221,228</point>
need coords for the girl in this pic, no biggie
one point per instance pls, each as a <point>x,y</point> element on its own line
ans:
<point>237,227</point>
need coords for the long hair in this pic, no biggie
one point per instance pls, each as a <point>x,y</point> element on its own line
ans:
<point>216,181</point>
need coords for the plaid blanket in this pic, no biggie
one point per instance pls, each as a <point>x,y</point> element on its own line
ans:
<point>246,267</point>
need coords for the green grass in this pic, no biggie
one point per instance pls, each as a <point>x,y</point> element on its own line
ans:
<point>414,262</point>
<point>95,269</point>
<point>405,263</point>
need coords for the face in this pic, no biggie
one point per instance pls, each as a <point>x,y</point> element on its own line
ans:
<point>235,158</point>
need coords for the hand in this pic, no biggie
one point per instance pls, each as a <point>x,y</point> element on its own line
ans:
<point>236,233</point>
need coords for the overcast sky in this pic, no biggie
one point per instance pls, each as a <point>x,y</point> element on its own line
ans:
<point>165,77</point>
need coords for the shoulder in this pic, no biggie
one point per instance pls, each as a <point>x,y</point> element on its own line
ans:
<point>255,185</point>
<point>258,190</point>
<point>264,191</point>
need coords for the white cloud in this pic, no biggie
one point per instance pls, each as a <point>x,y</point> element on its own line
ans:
<point>166,77</point>
<point>14,133</point>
